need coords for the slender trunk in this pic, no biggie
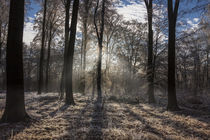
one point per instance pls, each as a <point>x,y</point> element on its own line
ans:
<point>41,62</point>
<point>0,44</point>
<point>87,8</point>
<point>81,55</point>
<point>150,73</point>
<point>177,76</point>
<point>100,45</point>
<point>185,74</point>
<point>195,77</point>
<point>84,52</point>
<point>107,54</point>
<point>198,71</point>
<point>130,64</point>
<point>48,59</point>
<point>93,88</point>
<point>1,67</point>
<point>15,106</point>
<point>62,86</point>
<point>155,55</point>
<point>207,69</point>
<point>70,55</point>
<point>99,70</point>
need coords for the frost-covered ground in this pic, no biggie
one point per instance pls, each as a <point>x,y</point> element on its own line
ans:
<point>111,119</point>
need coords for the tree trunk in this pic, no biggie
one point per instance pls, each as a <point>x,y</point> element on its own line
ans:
<point>1,67</point>
<point>0,43</point>
<point>150,73</point>
<point>84,52</point>
<point>48,59</point>
<point>155,54</point>
<point>99,70</point>
<point>172,101</point>
<point>84,43</point>
<point>207,69</point>
<point>100,45</point>
<point>70,55</point>
<point>67,9</point>
<point>81,55</point>
<point>185,74</point>
<point>172,16</point>
<point>107,55</point>
<point>41,62</point>
<point>15,106</point>
<point>195,77</point>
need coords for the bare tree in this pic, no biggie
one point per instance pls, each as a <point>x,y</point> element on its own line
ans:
<point>150,72</point>
<point>70,54</point>
<point>41,62</point>
<point>99,34</point>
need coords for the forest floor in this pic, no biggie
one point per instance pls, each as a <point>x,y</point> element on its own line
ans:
<point>110,119</point>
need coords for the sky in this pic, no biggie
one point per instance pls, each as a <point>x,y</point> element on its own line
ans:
<point>130,9</point>
<point>29,33</point>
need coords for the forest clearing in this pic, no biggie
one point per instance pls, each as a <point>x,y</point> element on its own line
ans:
<point>112,119</point>
<point>104,69</point>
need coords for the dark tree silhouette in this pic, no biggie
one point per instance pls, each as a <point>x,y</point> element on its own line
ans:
<point>172,18</point>
<point>15,106</point>
<point>70,55</point>
<point>150,69</point>
<point>0,42</point>
<point>41,62</point>
<point>100,44</point>
<point>67,4</point>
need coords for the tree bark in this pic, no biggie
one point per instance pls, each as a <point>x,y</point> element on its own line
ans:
<point>41,62</point>
<point>15,106</point>
<point>150,72</point>
<point>1,67</point>
<point>99,71</point>
<point>207,68</point>
<point>172,17</point>
<point>0,42</point>
<point>67,29</point>
<point>70,55</point>
<point>84,52</point>
<point>48,58</point>
<point>100,46</point>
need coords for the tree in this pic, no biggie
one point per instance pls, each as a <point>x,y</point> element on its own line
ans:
<point>41,62</point>
<point>131,51</point>
<point>150,72</point>
<point>15,106</point>
<point>52,28</point>
<point>67,4</point>
<point>112,21</point>
<point>0,40</point>
<point>85,12</point>
<point>70,54</point>
<point>100,44</point>
<point>172,18</point>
